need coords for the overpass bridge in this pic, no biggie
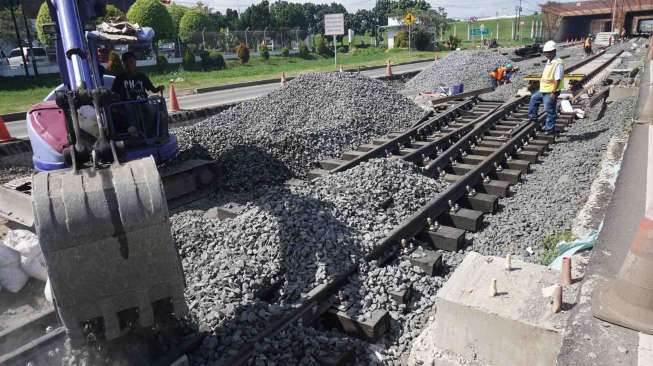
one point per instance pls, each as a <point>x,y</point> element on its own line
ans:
<point>578,19</point>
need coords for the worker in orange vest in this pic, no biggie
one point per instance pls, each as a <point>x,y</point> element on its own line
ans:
<point>501,75</point>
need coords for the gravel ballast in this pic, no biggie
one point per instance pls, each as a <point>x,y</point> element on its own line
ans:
<point>296,237</point>
<point>470,68</point>
<point>552,194</point>
<point>285,133</point>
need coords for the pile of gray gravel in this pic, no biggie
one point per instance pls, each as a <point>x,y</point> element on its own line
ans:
<point>470,68</point>
<point>285,133</point>
<point>552,194</point>
<point>295,237</point>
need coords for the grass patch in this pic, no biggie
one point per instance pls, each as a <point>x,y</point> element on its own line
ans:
<point>548,245</point>
<point>19,93</point>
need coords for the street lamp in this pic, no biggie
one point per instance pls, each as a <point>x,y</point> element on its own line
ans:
<point>246,43</point>
<point>264,33</point>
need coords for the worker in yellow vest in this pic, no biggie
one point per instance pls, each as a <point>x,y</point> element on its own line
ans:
<point>551,84</point>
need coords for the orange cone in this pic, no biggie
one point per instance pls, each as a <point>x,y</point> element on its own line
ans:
<point>4,132</point>
<point>174,103</point>
<point>283,79</point>
<point>627,300</point>
<point>388,69</point>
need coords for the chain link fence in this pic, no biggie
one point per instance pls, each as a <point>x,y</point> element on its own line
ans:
<point>275,39</point>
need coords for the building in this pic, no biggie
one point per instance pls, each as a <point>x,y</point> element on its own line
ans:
<point>578,19</point>
<point>393,27</point>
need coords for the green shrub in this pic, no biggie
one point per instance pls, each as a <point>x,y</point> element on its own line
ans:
<point>193,21</point>
<point>114,66</point>
<point>216,60</point>
<point>285,52</point>
<point>401,39</point>
<point>454,42</point>
<point>264,52</point>
<point>243,53</point>
<point>189,60</point>
<point>151,13</point>
<point>303,50</point>
<point>161,64</point>
<point>343,49</point>
<point>548,250</point>
<point>204,59</point>
<point>42,18</point>
<point>422,39</point>
<point>322,48</point>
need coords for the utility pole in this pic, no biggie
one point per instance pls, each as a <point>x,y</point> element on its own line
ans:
<point>519,21</point>
<point>497,35</point>
<point>29,42</point>
<point>614,15</point>
<point>20,42</point>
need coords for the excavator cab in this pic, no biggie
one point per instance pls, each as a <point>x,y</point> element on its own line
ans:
<point>100,210</point>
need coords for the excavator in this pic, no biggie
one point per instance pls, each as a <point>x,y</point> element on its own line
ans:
<point>98,200</point>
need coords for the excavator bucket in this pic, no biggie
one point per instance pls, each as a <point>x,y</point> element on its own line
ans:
<point>111,260</point>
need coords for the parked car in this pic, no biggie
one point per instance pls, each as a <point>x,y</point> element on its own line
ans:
<point>39,53</point>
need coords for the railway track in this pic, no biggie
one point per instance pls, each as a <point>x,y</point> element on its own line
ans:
<point>489,155</point>
<point>480,147</point>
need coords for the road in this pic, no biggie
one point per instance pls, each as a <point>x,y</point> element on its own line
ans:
<point>18,129</point>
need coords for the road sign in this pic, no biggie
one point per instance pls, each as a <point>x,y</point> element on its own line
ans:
<point>409,19</point>
<point>479,32</point>
<point>334,24</point>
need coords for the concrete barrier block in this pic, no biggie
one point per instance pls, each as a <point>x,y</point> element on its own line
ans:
<point>515,327</point>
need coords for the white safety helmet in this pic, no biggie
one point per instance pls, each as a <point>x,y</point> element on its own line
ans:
<point>549,46</point>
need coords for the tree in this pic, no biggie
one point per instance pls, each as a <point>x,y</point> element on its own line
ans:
<point>151,13</point>
<point>364,21</point>
<point>111,12</point>
<point>193,21</point>
<point>287,15</point>
<point>257,16</point>
<point>43,17</point>
<point>176,13</point>
<point>7,30</point>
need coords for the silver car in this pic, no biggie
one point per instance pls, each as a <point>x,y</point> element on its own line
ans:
<point>40,56</point>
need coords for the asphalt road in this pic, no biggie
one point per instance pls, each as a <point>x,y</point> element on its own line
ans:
<point>18,129</point>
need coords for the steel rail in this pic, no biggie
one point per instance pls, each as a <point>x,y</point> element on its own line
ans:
<point>392,146</point>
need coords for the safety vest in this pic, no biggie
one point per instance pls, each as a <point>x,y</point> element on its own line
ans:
<point>499,73</point>
<point>547,82</point>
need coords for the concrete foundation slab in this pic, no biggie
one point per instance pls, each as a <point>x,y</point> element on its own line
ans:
<point>515,327</point>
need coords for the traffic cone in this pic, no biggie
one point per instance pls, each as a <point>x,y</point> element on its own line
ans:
<point>627,300</point>
<point>4,133</point>
<point>388,69</point>
<point>174,103</point>
<point>283,79</point>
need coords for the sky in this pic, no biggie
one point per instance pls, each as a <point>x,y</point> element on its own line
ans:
<point>457,9</point>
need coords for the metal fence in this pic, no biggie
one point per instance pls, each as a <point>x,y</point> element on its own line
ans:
<point>227,40</point>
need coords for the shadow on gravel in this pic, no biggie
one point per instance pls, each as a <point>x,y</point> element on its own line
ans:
<point>314,242</point>
<point>584,136</point>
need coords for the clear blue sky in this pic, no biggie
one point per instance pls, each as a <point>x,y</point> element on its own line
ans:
<point>455,8</point>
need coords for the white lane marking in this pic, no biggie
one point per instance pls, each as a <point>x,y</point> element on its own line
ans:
<point>649,177</point>
<point>645,350</point>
